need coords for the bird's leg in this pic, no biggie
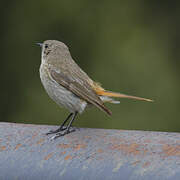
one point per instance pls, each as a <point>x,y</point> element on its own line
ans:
<point>68,129</point>
<point>61,128</point>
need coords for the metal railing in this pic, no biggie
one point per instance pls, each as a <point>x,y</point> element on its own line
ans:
<point>27,153</point>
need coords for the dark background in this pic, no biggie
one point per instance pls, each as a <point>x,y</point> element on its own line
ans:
<point>129,46</point>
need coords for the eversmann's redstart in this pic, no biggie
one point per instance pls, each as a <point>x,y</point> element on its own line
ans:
<point>69,86</point>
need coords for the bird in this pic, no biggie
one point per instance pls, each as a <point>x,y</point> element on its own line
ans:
<point>70,87</point>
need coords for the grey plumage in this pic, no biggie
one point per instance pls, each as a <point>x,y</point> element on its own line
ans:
<point>69,86</point>
<point>64,80</point>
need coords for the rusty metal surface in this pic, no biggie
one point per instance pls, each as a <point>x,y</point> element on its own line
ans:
<point>27,153</point>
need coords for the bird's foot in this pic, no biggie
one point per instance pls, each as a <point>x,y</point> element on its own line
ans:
<point>59,134</point>
<point>56,131</point>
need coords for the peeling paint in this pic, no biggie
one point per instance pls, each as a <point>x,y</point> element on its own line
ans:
<point>64,146</point>
<point>169,150</point>
<point>135,163</point>
<point>99,150</point>
<point>127,148</point>
<point>18,146</point>
<point>79,146</point>
<point>146,164</point>
<point>40,141</point>
<point>107,153</point>
<point>68,157</point>
<point>2,148</point>
<point>64,152</point>
<point>147,141</point>
<point>48,156</point>
<point>34,135</point>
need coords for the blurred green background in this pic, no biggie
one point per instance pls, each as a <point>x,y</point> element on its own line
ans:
<point>129,46</point>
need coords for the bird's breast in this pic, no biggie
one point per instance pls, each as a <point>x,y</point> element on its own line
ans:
<point>59,94</point>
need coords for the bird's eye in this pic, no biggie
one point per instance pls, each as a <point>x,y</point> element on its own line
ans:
<point>46,46</point>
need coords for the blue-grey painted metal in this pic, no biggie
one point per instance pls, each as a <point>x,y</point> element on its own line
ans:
<point>26,153</point>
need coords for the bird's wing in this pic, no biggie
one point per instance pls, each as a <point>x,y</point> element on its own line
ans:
<point>79,87</point>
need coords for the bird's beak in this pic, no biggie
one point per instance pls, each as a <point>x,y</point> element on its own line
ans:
<point>39,44</point>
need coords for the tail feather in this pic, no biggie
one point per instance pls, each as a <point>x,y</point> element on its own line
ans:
<point>120,95</point>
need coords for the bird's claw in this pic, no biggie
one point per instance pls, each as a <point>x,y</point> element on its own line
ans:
<point>59,134</point>
<point>56,131</point>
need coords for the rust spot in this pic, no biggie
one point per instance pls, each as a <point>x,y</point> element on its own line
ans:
<point>116,140</point>
<point>40,141</point>
<point>147,141</point>
<point>127,148</point>
<point>102,136</point>
<point>64,152</point>
<point>146,164</point>
<point>18,146</point>
<point>64,146</point>
<point>79,146</point>
<point>136,162</point>
<point>145,151</point>
<point>48,156</point>
<point>162,142</point>
<point>9,138</point>
<point>88,137</point>
<point>34,135</point>
<point>99,150</point>
<point>2,148</point>
<point>68,157</point>
<point>169,150</point>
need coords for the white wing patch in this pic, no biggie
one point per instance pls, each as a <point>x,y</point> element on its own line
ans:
<point>109,99</point>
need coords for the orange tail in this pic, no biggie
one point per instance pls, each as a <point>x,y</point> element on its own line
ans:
<point>113,94</point>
